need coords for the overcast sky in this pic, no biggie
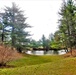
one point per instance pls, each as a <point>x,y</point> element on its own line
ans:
<point>42,15</point>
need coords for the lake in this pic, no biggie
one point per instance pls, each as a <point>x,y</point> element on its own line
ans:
<point>49,52</point>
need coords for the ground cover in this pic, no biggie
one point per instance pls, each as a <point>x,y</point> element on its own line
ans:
<point>41,65</point>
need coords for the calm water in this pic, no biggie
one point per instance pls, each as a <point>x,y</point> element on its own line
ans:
<point>50,52</point>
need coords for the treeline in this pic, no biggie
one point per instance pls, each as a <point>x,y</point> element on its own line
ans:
<point>65,36</point>
<point>44,43</point>
<point>50,43</point>
<point>13,27</point>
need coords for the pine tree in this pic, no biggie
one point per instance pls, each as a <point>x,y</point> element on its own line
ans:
<point>16,24</point>
<point>67,23</point>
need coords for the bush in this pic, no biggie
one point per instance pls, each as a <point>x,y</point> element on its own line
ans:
<point>7,54</point>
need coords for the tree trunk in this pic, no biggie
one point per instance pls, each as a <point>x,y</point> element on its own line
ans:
<point>2,37</point>
<point>13,39</point>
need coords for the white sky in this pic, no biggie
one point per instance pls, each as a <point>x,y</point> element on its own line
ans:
<point>42,15</point>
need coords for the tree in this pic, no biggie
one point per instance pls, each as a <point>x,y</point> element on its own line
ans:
<point>43,41</point>
<point>56,40</point>
<point>67,23</point>
<point>16,25</point>
<point>35,44</point>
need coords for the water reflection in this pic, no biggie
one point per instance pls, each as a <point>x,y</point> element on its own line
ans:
<point>49,52</point>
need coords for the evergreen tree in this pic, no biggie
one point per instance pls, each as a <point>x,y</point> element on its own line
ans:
<point>67,23</point>
<point>16,24</point>
<point>44,41</point>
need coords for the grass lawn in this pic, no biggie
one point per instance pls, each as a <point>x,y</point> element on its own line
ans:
<point>41,65</point>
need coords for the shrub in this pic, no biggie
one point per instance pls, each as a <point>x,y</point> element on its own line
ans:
<point>7,54</point>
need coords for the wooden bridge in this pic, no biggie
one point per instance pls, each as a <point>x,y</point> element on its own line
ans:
<point>45,49</point>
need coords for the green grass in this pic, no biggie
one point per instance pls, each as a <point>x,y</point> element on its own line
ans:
<point>41,65</point>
